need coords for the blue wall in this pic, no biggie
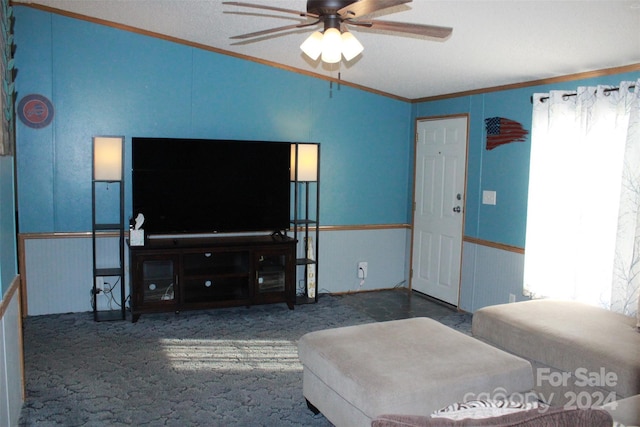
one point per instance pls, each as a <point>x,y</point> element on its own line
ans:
<point>505,169</point>
<point>104,81</point>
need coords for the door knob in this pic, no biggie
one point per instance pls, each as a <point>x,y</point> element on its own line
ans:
<point>457,209</point>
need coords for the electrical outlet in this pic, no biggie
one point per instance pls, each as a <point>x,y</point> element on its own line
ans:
<point>363,266</point>
<point>99,283</point>
<point>512,298</point>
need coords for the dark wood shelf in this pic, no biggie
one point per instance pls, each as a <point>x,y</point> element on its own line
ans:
<point>306,220</point>
<point>303,299</point>
<point>303,222</point>
<point>107,315</point>
<point>107,227</point>
<point>116,293</point>
<point>116,271</point>
<point>212,272</point>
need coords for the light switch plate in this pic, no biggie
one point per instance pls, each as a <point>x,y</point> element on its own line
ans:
<point>488,197</point>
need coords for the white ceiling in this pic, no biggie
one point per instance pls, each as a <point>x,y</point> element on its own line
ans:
<point>494,42</point>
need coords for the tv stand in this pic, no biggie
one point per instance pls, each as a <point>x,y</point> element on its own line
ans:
<point>178,274</point>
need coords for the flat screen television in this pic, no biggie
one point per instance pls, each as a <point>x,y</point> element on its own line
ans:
<point>200,186</point>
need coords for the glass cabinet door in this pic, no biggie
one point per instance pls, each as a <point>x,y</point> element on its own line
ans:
<point>158,277</point>
<point>271,272</point>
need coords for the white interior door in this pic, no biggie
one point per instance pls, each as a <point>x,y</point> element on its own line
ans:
<point>438,217</point>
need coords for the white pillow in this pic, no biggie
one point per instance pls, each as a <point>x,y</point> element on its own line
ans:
<point>478,409</point>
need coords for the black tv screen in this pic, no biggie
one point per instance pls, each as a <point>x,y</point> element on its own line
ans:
<point>210,186</point>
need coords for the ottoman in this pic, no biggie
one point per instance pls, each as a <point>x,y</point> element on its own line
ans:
<point>566,342</point>
<point>411,366</point>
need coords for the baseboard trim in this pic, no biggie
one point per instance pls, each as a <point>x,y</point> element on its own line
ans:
<point>365,291</point>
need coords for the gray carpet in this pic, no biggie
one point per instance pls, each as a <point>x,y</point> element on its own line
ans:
<point>225,367</point>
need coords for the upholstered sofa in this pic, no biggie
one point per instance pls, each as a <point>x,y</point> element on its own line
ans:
<point>581,355</point>
<point>584,362</point>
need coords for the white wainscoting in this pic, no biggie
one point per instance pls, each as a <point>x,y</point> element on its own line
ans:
<point>58,272</point>
<point>58,268</point>
<point>386,250</point>
<point>11,387</point>
<point>489,275</point>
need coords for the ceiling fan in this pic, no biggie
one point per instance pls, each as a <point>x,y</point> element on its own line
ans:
<point>335,41</point>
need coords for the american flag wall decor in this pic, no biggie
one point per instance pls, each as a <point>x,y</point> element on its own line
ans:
<point>503,131</point>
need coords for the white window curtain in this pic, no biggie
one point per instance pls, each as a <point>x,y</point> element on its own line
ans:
<point>583,223</point>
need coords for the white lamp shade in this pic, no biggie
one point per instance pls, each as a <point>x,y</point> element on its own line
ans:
<point>331,46</point>
<point>351,47</point>
<point>312,46</point>
<point>107,158</point>
<point>307,165</point>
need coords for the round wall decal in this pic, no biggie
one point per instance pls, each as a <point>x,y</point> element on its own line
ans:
<point>35,111</point>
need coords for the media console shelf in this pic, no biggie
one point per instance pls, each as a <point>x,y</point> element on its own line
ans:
<point>198,273</point>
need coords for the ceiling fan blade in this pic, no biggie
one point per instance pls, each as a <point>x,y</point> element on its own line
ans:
<point>433,31</point>
<point>276,9</point>
<point>274,30</point>
<point>365,7</point>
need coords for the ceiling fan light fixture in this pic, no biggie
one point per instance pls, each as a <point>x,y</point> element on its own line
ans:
<point>331,46</point>
<point>335,15</point>
<point>312,46</point>
<point>351,47</point>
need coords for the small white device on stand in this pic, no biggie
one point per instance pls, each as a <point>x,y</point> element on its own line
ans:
<point>311,270</point>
